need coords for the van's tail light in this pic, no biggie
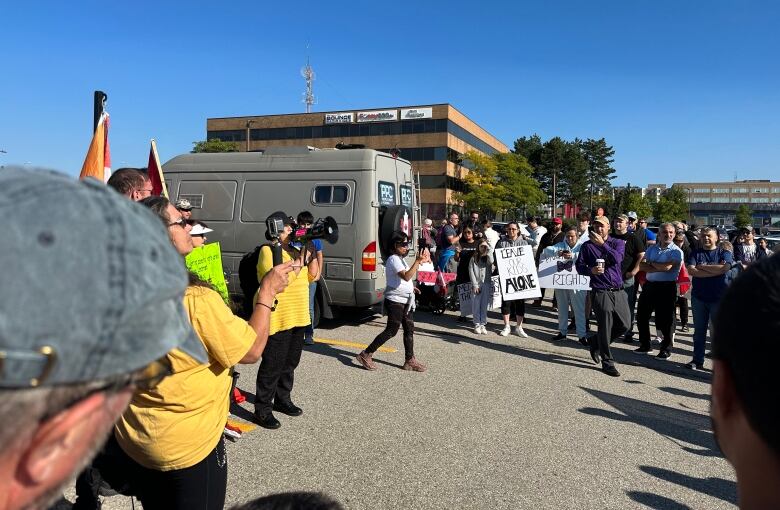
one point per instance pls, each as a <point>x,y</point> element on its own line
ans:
<point>369,257</point>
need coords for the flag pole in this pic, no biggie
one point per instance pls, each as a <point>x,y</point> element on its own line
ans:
<point>159,168</point>
<point>98,107</point>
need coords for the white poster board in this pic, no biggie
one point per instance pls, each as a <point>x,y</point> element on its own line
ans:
<point>465,295</point>
<point>559,273</point>
<point>495,300</point>
<point>517,273</point>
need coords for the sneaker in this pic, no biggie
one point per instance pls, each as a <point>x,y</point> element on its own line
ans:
<point>414,365</point>
<point>664,354</point>
<point>610,371</point>
<point>658,339</point>
<point>308,341</point>
<point>231,432</point>
<point>519,332</point>
<point>482,330</point>
<point>559,337</point>
<point>644,350</point>
<point>364,359</point>
<point>685,328</point>
<point>692,365</point>
<point>477,329</point>
<point>505,332</point>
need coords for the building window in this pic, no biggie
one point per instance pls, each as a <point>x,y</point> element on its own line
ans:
<point>775,190</point>
<point>739,190</point>
<point>720,190</point>
<point>739,200</point>
<point>760,200</point>
<point>721,200</point>
<point>232,135</point>
<point>701,190</point>
<point>433,182</point>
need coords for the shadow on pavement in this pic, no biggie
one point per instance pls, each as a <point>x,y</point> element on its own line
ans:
<point>675,424</point>
<point>684,393</point>
<point>720,488</point>
<point>655,501</point>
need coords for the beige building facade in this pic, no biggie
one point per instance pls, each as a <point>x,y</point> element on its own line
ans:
<point>433,137</point>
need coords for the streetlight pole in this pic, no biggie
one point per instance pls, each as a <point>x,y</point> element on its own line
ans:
<point>248,125</point>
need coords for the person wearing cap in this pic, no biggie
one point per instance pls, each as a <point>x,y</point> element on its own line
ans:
<point>69,374</point>
<point>170,439</point>
<point>131,182</point>
<point>185,208</point>
<point>428,233</point>
<point>633,255</point>
<point>601,258</point>
<point>662,263</point>
<point>289,318</point>
<point>198,232</point>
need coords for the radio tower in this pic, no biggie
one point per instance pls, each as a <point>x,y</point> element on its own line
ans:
<point>308,96</point>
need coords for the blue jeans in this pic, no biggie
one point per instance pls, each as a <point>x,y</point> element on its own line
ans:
<point>577,300</point>
<point>309,333</point>
<point>703,313</point>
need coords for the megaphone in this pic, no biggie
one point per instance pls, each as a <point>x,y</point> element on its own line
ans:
<point>326,229</point>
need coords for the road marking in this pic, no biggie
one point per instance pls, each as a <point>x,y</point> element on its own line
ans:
<point>356,345</point>
<point>241,425</point>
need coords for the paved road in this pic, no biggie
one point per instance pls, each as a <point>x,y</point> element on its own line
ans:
<point>495,423</point>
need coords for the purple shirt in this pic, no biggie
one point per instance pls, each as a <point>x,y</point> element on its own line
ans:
<point>612,253</point>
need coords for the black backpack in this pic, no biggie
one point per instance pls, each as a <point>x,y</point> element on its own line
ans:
<point>247,276</point>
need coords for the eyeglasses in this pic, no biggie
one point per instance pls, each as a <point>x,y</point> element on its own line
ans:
<point>180,223</point>
<point>512,228</point>
<point>403,245</point>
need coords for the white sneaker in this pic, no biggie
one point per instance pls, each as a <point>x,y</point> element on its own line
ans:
<point>477,329</point>
<point>483,330</point>
<point>519,332</point>
<point>505,332</point>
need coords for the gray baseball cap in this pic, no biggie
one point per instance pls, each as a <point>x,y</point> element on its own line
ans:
<point>90,287</point>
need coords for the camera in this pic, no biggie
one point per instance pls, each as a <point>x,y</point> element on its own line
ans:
<point>275,227</point>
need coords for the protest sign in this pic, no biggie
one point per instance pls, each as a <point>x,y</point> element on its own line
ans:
<point>495,300</point>
<point>465,295</point>
<point>433,276</point>
<point>559,273</point>
<point>206,262</point>
<point>517,271</point>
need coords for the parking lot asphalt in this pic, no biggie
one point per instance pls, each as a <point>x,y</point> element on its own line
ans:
<point>495,422</point>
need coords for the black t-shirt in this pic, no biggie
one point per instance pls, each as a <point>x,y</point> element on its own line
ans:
<point>634,246</point>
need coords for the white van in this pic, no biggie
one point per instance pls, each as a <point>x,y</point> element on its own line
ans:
<point>369,193</point>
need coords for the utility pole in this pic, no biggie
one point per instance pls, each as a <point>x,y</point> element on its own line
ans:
<point>248,125</point>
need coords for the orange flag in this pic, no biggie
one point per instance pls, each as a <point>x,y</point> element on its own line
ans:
<point>154,169</point>
<point>97,164</point>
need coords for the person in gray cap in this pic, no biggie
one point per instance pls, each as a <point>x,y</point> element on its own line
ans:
<point>185,208</point>
<point>89,313</point>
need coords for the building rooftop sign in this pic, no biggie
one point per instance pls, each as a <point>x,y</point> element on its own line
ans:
<point>416,113</point>
<point>339,118</point>
<point>377,116</point>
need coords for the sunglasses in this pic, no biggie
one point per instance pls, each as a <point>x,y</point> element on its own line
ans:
<point>181,223</point>
<point>403,245</point>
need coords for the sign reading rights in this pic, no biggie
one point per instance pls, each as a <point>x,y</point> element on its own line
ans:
<point>517,273</point>
<point>559,273</point>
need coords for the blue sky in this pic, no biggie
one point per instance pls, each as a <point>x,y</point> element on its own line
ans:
<point>682,90</point>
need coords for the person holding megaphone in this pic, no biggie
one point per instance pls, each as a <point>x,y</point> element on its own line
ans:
<point>289,319</point>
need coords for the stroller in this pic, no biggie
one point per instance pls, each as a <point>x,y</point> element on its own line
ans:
<point>436,291</point>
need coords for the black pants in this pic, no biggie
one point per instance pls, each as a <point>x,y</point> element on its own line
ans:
<point>276,374</point>
<point>613,320</point>
<point>396,317</point>
<point>514,308</point>
<point>631,296</point>
<point>658,297</point>
<point>199,487</point>
<point>682,302</point>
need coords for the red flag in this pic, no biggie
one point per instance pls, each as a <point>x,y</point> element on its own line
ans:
<point>154,168</point>
<point>97,164</point>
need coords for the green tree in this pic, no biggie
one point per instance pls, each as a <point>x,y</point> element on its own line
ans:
<point>634,201</point>
<point>500,183</point>
<point>672,206</point>
<point>214,145</point>
<point>530,148</point>
<point>743,217</point>
<point>598,156</point>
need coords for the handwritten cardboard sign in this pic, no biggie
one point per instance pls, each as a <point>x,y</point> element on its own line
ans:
<point>206,262</point>
<point>517,272</point>
<point>559,273</point>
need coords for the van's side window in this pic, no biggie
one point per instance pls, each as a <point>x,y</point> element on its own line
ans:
<point>331,194</point>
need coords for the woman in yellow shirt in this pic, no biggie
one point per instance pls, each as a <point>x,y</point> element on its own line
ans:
<point>288,324</point>
<point>171,435</point>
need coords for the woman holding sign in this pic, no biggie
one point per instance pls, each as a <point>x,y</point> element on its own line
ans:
<point>516,307</point>
<point>568,249</point>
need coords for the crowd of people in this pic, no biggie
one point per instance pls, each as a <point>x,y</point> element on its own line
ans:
<point>110,351</point>
<point>635,274</point>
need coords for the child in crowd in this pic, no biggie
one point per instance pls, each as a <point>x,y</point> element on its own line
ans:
<point>480,273</point>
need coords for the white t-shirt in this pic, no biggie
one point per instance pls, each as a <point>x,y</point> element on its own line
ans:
<point>492,237</point>
<point>398,290</point>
